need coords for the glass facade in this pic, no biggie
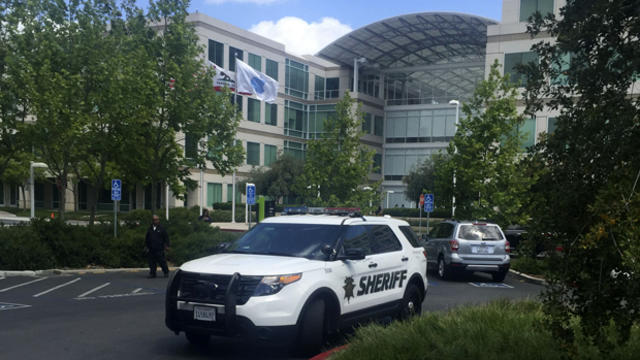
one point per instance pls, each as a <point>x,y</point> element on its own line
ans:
<point>253,153</point>
<point>332,88</point>
<point>318,114</point>
<point>237,100</point>
<point>529,7</point>
<point>270,154</point>
<point>233,54</point>
<point>253,110</point>
<point>319,88</point>
<point>190,146</point>
<point>272,69</point>
<point>399,162</point>
<point>271,114</point>
<point>420,126</point>
<point>295,149</point>
<point>369,84</point>
<point>216,53</point>
<point>230,194</point>
<point>296,79</point>
<point>513,60</point>
<point>255,61</point>
<point>295,119</point>
<point>527,131</point>
<point>214,194</point>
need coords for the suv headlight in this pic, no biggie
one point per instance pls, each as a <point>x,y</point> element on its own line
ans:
<point>270,285</point>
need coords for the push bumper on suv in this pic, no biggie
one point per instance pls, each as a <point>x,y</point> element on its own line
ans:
<point>224,293</point>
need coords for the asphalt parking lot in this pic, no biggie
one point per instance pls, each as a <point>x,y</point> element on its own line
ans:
<point>121,315</point>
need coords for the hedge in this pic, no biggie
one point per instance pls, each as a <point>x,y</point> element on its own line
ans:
<point>498,330</point>
<point>415,212</point>
<point>44,244</point>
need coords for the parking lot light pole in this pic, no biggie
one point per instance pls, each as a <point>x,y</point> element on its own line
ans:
<point>455,151</point>
<point>32,185</point>
<point>389,192</point>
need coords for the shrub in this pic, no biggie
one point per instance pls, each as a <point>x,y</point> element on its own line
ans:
<point>135,218</point>
<point>198,245</point>
<point>21,249</point>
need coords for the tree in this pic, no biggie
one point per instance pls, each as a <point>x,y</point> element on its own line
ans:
<point>587,196</point>
<point>337,165</point>
<point>485,153</point>
<point>180,102</point>
<point>278,180</point>
<point>423,178</point>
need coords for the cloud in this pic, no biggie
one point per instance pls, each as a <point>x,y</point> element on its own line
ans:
<point>301,37</point>
<point>257,2</point>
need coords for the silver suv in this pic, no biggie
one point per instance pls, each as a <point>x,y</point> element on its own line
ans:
<point>456,246</point>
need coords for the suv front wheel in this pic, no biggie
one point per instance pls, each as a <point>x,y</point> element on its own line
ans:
<point>411,302</point>
<point>311,328</point>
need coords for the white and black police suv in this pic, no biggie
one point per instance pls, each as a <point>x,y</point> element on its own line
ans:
<point>299,278</point>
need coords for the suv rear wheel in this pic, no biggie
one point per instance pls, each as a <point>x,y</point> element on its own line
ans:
<point>411,302</point>
<point>444,271</point>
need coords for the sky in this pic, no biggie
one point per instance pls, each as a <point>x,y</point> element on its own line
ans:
<point>306,26</point>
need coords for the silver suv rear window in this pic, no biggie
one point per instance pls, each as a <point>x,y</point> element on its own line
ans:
<point>479,232</point>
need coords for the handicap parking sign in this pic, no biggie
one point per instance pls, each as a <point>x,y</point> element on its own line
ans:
<point>428,203</point>
<point>116,189</point>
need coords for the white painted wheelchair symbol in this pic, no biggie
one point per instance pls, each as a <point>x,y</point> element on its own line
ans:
<point>491,285</point>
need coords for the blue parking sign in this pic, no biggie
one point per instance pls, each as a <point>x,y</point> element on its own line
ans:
<point>251,194</point>
<point>428,203</point>
<point>116,190</point>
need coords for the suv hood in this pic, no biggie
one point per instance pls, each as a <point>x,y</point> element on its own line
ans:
<point>247,264</point>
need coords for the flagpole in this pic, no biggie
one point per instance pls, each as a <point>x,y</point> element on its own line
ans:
<point>235,114</point>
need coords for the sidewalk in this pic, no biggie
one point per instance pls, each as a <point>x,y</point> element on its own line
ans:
<point>235,227</point>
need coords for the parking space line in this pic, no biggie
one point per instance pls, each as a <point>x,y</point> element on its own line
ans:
<point>94,290</point>
<point>57,287</point>
<point>136,290</point>
<point>23,284</point>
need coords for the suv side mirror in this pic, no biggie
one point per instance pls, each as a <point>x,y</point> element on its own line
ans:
<point>352,254</point>
<point>425,237</point>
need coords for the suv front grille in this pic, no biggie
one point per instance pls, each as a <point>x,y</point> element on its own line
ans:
<point>211,288</point>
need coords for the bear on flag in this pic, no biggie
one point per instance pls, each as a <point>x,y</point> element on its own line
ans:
<point>254,82</point>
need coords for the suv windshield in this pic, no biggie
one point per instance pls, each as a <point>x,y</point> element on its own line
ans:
<point>297,240</point>
<point>479,232</point>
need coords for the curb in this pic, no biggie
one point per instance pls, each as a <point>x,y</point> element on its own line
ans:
<point>537,280</point>
<point>33,273</point>
<point>325,355</point>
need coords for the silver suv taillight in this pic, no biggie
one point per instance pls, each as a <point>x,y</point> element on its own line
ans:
<point>454,245</point>
<point>507,246</point>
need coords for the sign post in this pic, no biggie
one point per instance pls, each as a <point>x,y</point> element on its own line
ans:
<point>420,212</point>
<point>116,195</point>
<point>251,198</point>
<point>428,207</point>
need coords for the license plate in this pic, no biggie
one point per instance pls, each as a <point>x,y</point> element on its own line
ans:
<point>482,250</point>
<point>204,313</point>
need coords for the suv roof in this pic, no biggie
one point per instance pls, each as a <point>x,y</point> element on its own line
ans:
<point>333,220</point>
<point>471,222</point>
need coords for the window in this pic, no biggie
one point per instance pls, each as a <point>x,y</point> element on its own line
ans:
<point>216,53</point>
<point>333,88</point>
<point>411,236</point>
<point>295,119</point>
<point>296,79</point>
<point>356,237</point>
<point>253,153</point>
<point>511,63</point>
<point>272,69</point>
<point>383,239</point>
<point>562,68</point>
<point>318,116</point>
<point>270,154</point>
<point>271,114</point>
<point>377,163</point>
<point>253,113</point>
<point>190,146</point>
<point>233,98</point>
<point>255,62</point>
<point>442,230</point>
<point>214,194</point>
<point>233,53</point>
<point>378,126</point>
<point>319,88</point>
<point>551,125</point>
<point>1,193</point>
<point>528,131</point>
<point>530,7</point>
<point>366,123</point>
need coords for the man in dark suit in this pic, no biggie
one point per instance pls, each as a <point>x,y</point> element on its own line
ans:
<point>157,241</point>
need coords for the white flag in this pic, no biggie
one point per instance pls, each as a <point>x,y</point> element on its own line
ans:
<point>224,79</point>
<point>255,82</point>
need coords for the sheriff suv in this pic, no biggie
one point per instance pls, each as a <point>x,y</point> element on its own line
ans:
<point>457,246</point>
<point>300,278</point>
